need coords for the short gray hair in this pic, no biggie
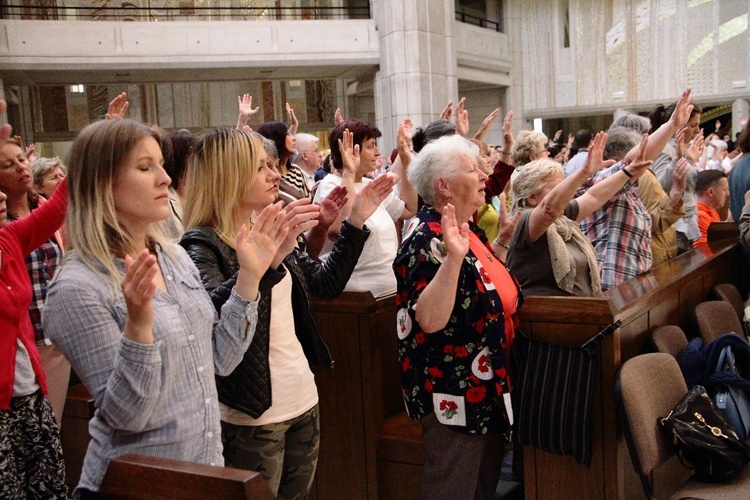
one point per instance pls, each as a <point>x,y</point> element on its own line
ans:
<point>270,148</point>
<point>438,159</point>
<point>531,180</point>
<point>42,166</point>
<point>620,140</point>
<point>639,123</point>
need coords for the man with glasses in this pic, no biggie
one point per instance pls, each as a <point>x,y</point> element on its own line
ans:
<point>308,158</point>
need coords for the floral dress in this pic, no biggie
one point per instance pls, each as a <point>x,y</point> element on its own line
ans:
<point>460,372</point>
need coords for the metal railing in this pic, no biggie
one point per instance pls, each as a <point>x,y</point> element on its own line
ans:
<point>131,12</point>
<point>478,21</point>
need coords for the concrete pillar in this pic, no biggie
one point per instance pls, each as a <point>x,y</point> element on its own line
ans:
<point>417,75</point>
<point>740,112</point>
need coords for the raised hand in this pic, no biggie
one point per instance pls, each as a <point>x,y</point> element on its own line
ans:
<point>680,139</point>
<point>594,161</point>
<point>246,128</point>
<point>695,148</point>
<point>118,107</point>
<point>369,199</point>
<point>508,131</point>
<point>245,105</point>
<point>331,205</point>
<point>682,110</point>
<point>349,152</point>
<point>408,131</point>
<point>6,130</point>
<point>257,247</point>
<point>402,145</point>
<point>639,165</point>
<point>506,225</point>
<point>293,122</point>
<point>679,176</point>
<point>558,134</point>
<point>337,118</point>
<point>31,153</point>
<point>301,215</point>
<point>486,124</point>
<point>447,112</point>
<point>462,118</point>
<point>138,289</point>
<point>456,239</point>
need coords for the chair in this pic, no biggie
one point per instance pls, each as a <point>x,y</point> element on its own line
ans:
<point>648,387</point>
<point>670,339</point>
<point>729,293</point>
<point>717,317</point>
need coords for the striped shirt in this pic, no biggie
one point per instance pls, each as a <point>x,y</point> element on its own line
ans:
<point>620,232</point>
<point>154,399</point>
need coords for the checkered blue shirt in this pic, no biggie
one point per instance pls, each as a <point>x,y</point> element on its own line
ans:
<point>620,232</point>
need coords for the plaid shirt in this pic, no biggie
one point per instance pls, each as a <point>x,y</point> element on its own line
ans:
<point>620,232</point>
<point>42,264</point>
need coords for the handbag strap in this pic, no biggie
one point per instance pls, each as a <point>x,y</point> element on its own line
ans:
<point>609,330</point>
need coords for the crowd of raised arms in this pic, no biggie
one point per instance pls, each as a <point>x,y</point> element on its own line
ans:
<point>175,274</point>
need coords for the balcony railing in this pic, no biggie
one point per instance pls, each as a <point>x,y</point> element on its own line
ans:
<point>182,11</point>
<point>478,21</point>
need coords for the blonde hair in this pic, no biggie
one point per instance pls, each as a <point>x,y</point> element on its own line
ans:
<point>92,225</point>
<point>531,180</point>
<point>225,162</point>
<point>526,146</point>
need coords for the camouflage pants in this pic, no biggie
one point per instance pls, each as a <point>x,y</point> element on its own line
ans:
<point>285,453</point>
<point>31,461</point>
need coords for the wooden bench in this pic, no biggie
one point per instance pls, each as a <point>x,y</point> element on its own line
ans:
<point>358,394</point>
<point>74,432</point>
<point>666,295</point>
<point>138,476</point>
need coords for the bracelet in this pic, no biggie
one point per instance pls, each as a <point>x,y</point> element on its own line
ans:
<point>625,171</point>
<point>504,152</point>
<point>507,247</point>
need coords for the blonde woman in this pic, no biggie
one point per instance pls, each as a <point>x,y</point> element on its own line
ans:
<point>549,255</point>
<point>128,310</point>
<point>269,404</point>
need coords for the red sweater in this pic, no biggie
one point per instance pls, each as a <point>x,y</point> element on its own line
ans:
<point>17,240</point>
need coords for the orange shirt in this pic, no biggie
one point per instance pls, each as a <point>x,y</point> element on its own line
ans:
<point>503,283</point>
<point>706,215</point>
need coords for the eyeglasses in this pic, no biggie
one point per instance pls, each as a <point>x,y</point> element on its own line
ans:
<point>311,151</point>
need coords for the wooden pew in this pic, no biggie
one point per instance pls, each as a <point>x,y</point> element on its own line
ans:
<point>358,395</point>
<point>74,432</point>
<point>666,295</point>
<point>139,476</point>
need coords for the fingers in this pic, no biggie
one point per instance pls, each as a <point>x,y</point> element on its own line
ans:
<point>6,130</point>
<point>266,222</point>
<point>337,118</point>
<point>460,106</point>
<point>447,111</point>
<point>509,116</point>
<point>138,282</point>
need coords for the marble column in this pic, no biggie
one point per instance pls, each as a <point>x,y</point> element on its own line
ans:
<point>740,112</point>
<point>417,75</point>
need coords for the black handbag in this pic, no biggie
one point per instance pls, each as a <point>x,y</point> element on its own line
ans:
<point>704,439</point>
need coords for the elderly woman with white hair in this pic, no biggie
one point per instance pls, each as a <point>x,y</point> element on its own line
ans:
<point>548,253</point>
<point>456,320</point>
